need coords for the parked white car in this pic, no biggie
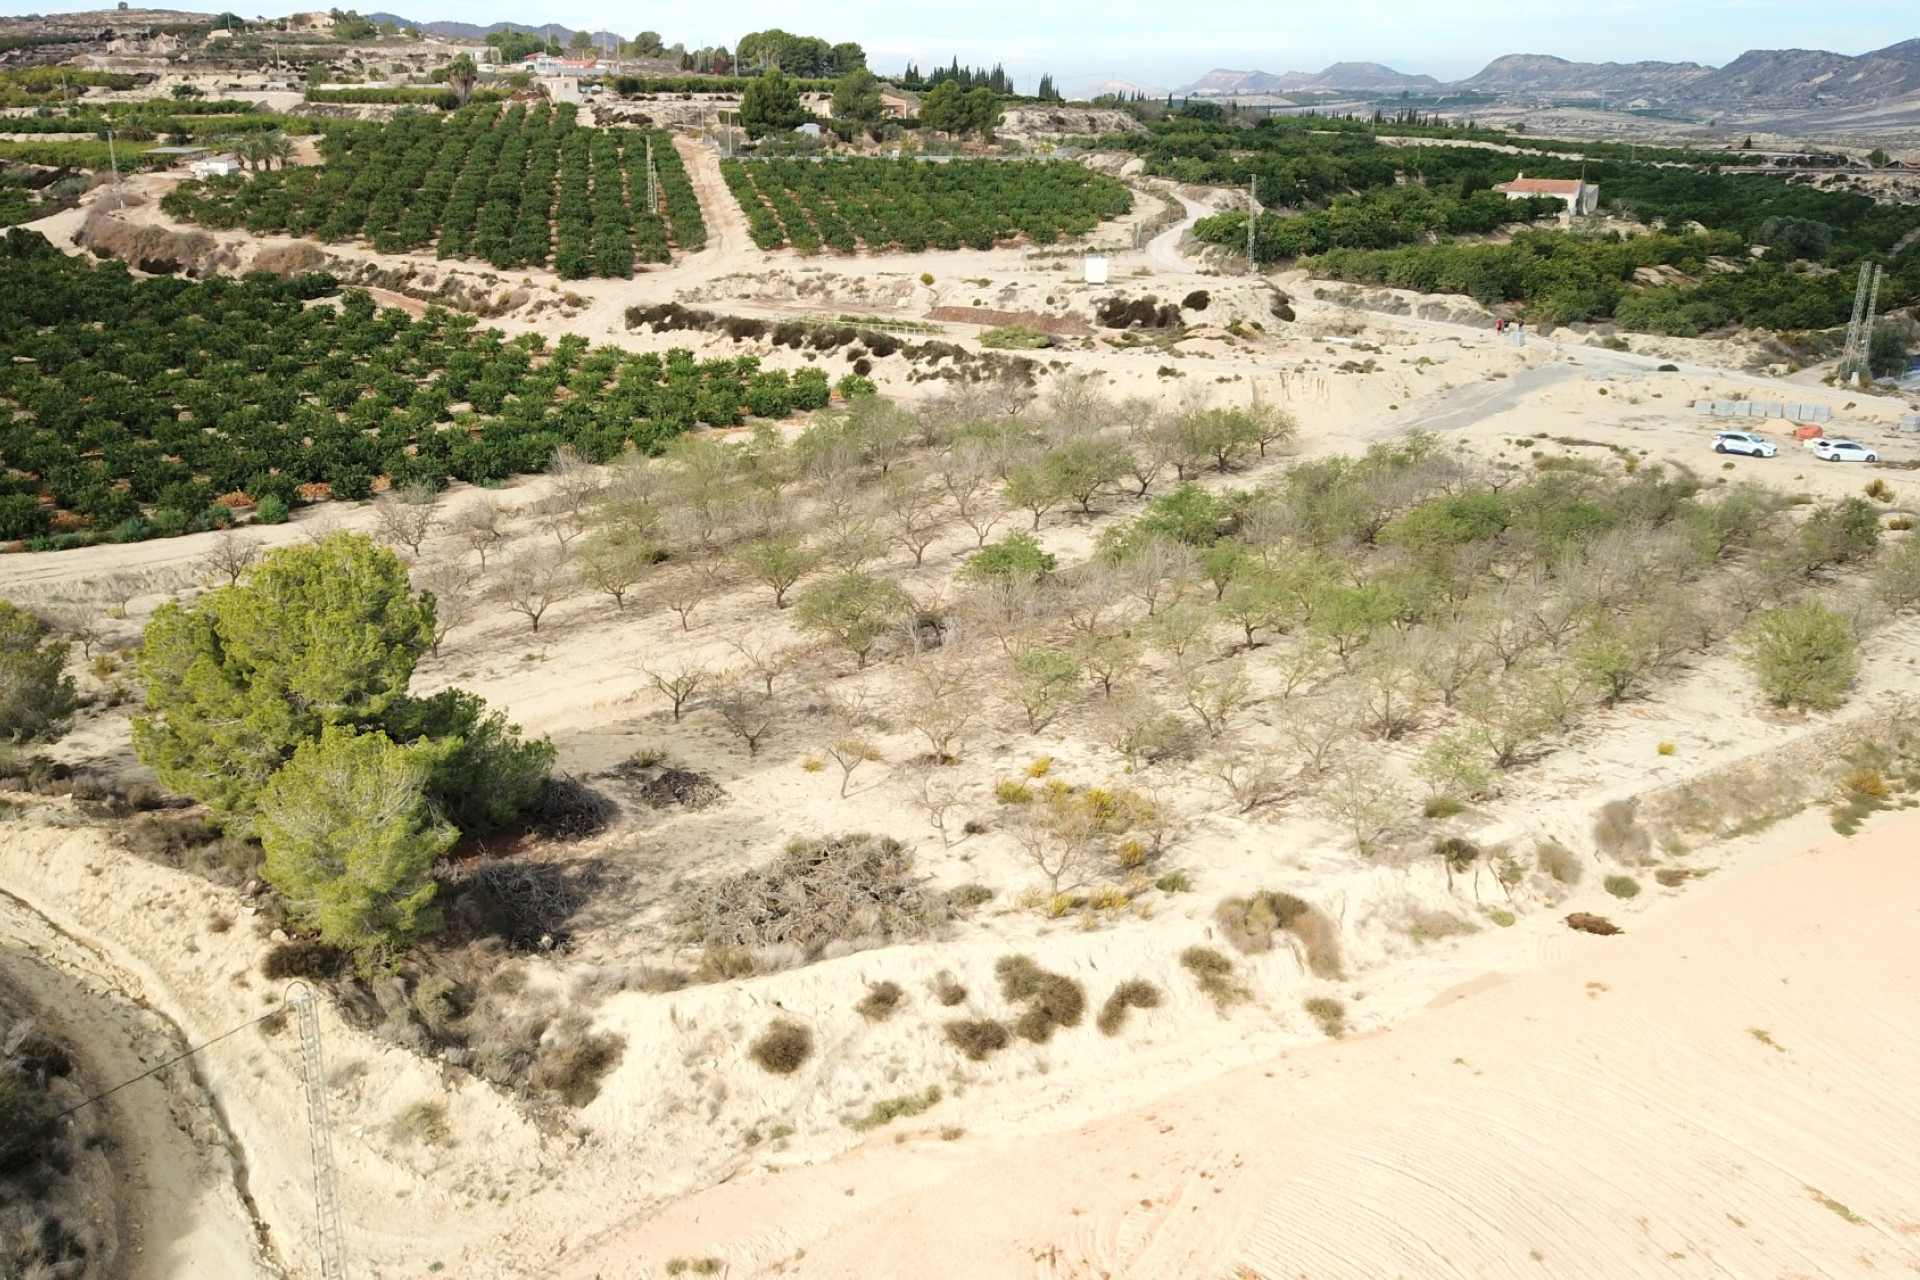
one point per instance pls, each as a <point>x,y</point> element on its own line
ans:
<point>1843,451</point>
<point>1744,442</point>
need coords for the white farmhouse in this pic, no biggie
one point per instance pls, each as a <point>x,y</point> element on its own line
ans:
<point>1579,197</point>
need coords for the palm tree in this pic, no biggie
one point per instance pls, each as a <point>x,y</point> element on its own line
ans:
<point>276,145</point>
<point>461,73</point>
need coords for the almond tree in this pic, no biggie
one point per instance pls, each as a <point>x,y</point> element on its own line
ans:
<point>678,683</point>
<point>534,581</point>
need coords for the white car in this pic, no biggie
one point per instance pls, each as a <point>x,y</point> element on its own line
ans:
<point>1843,451</point>
<point>1744,442</point>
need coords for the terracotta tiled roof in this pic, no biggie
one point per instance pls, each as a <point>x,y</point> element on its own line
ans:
<point>1543,186</point>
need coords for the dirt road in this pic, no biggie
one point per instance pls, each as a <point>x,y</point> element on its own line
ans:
<point>1163,251</point>
<point>179,1200</point>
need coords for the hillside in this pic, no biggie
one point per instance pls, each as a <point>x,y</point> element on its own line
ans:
<point>1760,79</point>
<point>1367,77</point>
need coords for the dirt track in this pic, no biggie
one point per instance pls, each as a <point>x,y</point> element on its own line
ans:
<point>179,1206</point>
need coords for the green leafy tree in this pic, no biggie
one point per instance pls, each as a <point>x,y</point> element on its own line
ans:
<point>1803,656</point>
<point>1887,351</point>
<point>1084,469</point>
<point>852,610</point>
<point>316,636</point>
<point>771,104</point>
<point>856,101</point>
<point>779,563</point>
<point>944,110</point>
<point>983,112</point>
<point>319,637</point>
<point>36,694</point>
<point>1017,555</point>
<point>1045,680</point>
<point>482,774</point>
<point>351,840</point>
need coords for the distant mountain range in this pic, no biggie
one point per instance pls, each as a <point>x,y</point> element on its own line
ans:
<point>1363,77</point>
<point>1759,80</point>
<point>468,31</point>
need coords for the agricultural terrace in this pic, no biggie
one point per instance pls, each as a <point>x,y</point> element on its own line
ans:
<point>133,407</point>
<point>519,187</point>
<point>1726,248</point>
<point>913,204</point>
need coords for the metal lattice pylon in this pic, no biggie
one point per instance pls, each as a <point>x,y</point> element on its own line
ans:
<point>326,1184</point>
<point>653,182</point>
<point>1855,347</point>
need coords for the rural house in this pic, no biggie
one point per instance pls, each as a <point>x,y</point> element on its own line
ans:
<point>1580,197</point>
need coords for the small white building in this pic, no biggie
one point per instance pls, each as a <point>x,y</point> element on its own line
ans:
<point>214,167</point>
<point>546,64</point>
<point>1579,197</point>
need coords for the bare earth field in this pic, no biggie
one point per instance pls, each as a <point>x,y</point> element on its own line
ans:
<point>1726,1088</point>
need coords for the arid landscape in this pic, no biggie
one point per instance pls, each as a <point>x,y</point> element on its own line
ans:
<point>1071,753</point>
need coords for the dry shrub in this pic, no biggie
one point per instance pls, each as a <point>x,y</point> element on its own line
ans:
<point>818,892</point>
<point>424,1122</point>
<point>1134,994</point>
<point>152,249</point>
<point>888,1110</point>
<point>968,896</point>
<point>1426,924</point>
<point>1560,862</point>
<point>188,842</point>
<point>301,958</point>
<point>1617,832</point>
<point>880,1002</point>
<point>1867,782</point>
<point>297,259</point>
<point>1052,1000</point>
<point>783,1048</point>
<point>977,1038</point>
<point>1330,1014</point>
<point>1250,924</point>
<point>1214,974</point>
<point>1587,922</point>
<point>651,979</point>
<point>573,1061</point>
<point>947,989</point>
<point>1622,886</point>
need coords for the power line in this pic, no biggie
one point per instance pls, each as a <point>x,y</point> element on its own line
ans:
<point>278,1012</point>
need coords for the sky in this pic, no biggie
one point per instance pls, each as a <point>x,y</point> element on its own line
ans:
<point>1152,42</point>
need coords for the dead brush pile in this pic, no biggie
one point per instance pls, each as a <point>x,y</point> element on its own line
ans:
<point>818,899</point>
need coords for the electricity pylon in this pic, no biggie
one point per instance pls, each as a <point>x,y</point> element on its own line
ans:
<point>326,1184</point>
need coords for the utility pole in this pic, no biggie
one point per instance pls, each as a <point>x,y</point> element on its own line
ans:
<point>113,158</point>
<point>1253,217</point>
<point>331,1238</point>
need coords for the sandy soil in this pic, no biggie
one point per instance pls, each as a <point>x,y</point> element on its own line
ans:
<point>1725,1090</point>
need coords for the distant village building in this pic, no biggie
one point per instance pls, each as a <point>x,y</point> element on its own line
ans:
<point>546,64</point>
<point>214,167</point>
<point>1579,197</point>
<point>899,106</point>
